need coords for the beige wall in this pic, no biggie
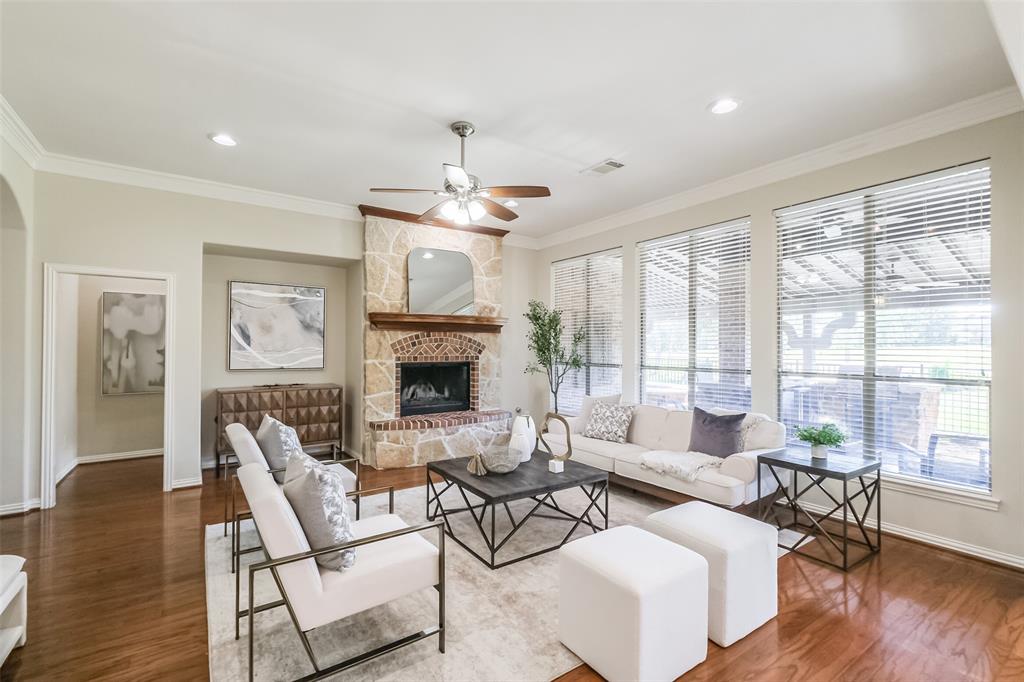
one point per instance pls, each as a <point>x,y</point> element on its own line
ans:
<point>66,376</point>
<point>354,319</point>
<point>89,222</point>
<point>996,534</point>
<point>518,389</point>
<point>217,272</point>
<point>17,211</point>
<point>111,424</point>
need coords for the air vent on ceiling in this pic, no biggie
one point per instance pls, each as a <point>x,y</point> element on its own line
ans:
<point>603,168</point>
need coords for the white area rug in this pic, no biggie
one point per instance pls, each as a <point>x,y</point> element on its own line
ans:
<point>501,624</point>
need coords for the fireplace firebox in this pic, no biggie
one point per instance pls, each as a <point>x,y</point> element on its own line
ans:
<point>432,387</point>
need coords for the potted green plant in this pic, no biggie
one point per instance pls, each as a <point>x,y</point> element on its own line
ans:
<point>551,356</point>
<point>821,438</point>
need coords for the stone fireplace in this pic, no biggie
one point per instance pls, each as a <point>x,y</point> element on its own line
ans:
<point>428,395</point>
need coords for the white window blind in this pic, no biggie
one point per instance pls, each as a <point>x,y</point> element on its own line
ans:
<point>588,292</point>
<point>885,322</point>
<point>695,318</point>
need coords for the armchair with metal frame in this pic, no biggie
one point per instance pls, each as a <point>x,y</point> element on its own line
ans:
<point>248,451</point>
<point>315,597</point>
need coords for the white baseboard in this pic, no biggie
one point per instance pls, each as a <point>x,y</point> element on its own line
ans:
<point>19,507</point>
<point>112,456</point>
<point>62,474</point>
<point>992,555</point>
<point>187,482</point>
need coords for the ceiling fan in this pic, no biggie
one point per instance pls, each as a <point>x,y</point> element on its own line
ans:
<point>464,200</point>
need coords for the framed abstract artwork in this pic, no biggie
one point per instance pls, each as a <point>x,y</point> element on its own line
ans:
<point>132,343</point>
<point>275,326</point>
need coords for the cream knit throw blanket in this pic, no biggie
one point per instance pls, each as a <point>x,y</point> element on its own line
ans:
<point>683,465</point>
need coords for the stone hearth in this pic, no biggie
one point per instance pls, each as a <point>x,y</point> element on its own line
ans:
<point>390,440</point>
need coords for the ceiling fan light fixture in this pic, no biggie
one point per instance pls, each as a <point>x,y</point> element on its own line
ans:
<point>462,216</point>
<point>476,210</point>
<point>449,209</point>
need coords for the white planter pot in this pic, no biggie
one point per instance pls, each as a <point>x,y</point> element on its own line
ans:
<point>524,437</point>
<point>819,451</point>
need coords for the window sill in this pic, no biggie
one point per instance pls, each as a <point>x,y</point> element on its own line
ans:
<point>946,493</point>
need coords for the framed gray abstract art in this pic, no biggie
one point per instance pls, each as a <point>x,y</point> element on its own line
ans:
<point>132,344</point>
<point>275,326</point>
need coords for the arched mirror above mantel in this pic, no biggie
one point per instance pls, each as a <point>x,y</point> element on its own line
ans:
<point>440,282</point>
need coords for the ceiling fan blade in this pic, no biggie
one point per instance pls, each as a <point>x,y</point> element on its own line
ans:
<point>497,210</point>
<point>432,212</point>
<point>456,175</point>
<point>404,191</point>
<point>517,191</point>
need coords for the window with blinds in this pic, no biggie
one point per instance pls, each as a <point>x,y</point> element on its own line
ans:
<point>695,318</point>
<point>885,322</point>
<point>588,292</point>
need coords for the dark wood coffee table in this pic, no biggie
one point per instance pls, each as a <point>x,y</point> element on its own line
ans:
<point>530,481</point>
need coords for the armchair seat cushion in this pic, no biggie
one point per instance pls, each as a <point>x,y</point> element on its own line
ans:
<point>385,571</point>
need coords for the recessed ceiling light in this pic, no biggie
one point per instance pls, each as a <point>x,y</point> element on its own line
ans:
<point>724,105</point>
<point>223,139</point>
<point>511,203</point>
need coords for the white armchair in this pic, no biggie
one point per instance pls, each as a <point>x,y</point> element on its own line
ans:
<point>391,562</point>
<point>248,451</point>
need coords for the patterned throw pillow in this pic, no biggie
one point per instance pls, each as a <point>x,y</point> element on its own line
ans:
<point>317,495</point>
<point>609,422</point>
<point>278,441</point>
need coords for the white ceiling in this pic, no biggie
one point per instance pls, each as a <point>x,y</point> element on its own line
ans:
<point>327,100</point>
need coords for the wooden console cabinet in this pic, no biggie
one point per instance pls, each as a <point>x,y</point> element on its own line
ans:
<point>313,410</point>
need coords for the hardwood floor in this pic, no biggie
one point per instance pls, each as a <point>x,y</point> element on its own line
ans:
<point>116,591</point>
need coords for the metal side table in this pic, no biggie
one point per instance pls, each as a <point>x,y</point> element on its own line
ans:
<point>850,472</point>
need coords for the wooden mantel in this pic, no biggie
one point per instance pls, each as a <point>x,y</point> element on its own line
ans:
<point>436,222</point>
<point>419,322</point>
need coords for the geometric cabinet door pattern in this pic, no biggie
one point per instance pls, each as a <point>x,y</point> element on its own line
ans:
<point>313,410</point>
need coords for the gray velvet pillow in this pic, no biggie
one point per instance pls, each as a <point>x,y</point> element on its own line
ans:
<point>277,441</point>
<point>317,496</point>
<point>718,435</point>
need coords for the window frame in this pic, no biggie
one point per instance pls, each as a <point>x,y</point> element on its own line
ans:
<point>869,379</point>
<point>692,368</point>
<point>585,370</point>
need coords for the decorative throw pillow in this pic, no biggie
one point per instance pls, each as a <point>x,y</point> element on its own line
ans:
<point>609,422</point>
<point>277,441</point>
<point>318,498</point>
<point>718,435</point>
<point>298,464</point>
<point>587,407</point>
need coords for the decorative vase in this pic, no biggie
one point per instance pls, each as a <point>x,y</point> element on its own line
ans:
<point>819,451</point>
<point>524,437</point>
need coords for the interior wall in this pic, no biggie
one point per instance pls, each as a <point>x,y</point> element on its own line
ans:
<point>65,369</point>
<point>995,534</point>
<point>17,211</point>
<point>354,317</point>
<point>88,222</point>
<point>112,425</point>
<point>218,270</point>
<point>518,389</point>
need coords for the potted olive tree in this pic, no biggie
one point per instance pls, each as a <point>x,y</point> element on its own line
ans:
<point>550,356</point>
<point>821,438</point>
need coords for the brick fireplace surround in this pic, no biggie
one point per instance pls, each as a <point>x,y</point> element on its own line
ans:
<point>390,440</point>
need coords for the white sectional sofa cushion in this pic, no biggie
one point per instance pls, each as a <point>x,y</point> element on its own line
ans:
<point>657,428</point>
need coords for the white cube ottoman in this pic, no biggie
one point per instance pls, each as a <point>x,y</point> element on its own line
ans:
<point>632,605</point>
<point>742,556</point>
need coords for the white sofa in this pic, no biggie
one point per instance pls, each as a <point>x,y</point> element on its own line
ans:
<point>656,428</point>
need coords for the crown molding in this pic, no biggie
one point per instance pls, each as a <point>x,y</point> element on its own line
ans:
<point>18,135</point>
<point>521,241</point>
<point>954,117</point>
<point>183,184</point>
